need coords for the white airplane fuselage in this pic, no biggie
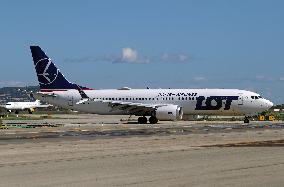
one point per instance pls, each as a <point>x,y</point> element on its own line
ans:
<point>30,106</point>
<point>192,101</point>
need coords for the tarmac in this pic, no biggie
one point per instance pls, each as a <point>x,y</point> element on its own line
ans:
<point>93,150</point>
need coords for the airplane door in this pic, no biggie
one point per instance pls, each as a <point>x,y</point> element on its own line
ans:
<point>70,101</point>
<point>240,100</point>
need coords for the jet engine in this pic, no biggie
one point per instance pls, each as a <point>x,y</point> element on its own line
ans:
<point>169,113</point>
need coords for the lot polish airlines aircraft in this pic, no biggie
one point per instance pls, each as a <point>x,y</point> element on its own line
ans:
<point>159,104</point>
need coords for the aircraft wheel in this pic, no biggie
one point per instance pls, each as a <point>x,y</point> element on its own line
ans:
<point>153,120</point>
<point>246,120</point>
<point>16,112</point>
<point>142,120</point>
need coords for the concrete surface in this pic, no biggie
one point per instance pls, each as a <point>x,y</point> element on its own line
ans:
<point>195,154</point>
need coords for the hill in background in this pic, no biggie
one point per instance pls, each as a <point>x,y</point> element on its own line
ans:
<point>8,94</point>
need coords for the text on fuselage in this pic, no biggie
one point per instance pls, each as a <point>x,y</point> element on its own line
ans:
<point>214,102</point>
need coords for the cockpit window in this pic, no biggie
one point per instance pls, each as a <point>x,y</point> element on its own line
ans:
<point>252,97</point>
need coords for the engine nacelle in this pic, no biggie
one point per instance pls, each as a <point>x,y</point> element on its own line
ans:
<point>169,113</point>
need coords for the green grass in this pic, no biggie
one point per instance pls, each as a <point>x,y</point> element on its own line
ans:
<point>30,117</point>
<point>22,117</point>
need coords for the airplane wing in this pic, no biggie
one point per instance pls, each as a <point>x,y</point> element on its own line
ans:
<point>43,106</point>
<point>131,107</point>
<point>40,94</point>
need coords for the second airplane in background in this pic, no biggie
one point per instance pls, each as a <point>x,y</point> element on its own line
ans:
<point>20,106</point>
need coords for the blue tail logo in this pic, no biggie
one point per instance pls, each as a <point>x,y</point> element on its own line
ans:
<point>49,76</point>
<point>50,72</point>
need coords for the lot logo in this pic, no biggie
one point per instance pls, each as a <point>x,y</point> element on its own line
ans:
<point>46,71</point>
<point>214,102</point>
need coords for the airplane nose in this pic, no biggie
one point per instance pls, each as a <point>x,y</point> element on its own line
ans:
<point>266,104</point>
<point>269,104</point>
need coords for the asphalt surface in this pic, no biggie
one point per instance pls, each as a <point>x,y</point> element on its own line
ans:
<point>91,150</point>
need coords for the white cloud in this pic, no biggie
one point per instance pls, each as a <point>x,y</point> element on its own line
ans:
<point>199,79</point>
<point>182,57</point>
<point>12,83</point>
<point>129,55</point>
<point>174,58</point>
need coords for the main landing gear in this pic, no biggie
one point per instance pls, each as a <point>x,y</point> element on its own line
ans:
<point>246,120</point>
<point>143,120</point>
<point>153,120</point>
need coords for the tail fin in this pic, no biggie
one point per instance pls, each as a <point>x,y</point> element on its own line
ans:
<point>49,77</point>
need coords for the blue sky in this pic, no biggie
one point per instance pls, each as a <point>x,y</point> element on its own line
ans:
<point>177,44</point>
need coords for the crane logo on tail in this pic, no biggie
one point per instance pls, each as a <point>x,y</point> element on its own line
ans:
<point>47,72</point>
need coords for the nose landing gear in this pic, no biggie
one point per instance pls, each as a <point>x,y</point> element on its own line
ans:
<point>246,120</point>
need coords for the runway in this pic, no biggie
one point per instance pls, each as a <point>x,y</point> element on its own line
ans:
<point>89,150</point>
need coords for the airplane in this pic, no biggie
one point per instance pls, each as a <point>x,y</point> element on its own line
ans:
<point>29,106</point>
<point>157,104</point>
